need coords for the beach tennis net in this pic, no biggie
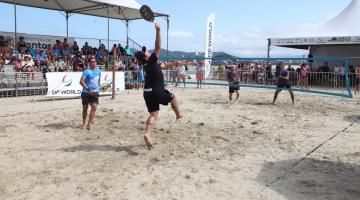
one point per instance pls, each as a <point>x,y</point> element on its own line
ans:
<point>326,76</point>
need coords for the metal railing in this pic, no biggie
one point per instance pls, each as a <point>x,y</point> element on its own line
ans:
<point>15,84</point>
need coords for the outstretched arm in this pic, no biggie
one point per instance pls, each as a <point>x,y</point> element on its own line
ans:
<point>157,41</point>
<point>170,65</point>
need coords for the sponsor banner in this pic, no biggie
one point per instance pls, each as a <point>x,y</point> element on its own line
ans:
<point>315,41</point>
<point>35,41</point>
<point>210,28</point>
<point>67,84</point>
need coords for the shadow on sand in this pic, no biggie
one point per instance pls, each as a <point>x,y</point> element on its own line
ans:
<point>352,118</point>
<point>58,126</point>
<point>94,147</point>
<point>313,179</point>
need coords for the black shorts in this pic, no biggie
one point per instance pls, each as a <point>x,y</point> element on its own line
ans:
<point>357,81</point>
<point>283,84</point>
<point>89,98</point>
<point>233,88</point>
<point>153,99</point>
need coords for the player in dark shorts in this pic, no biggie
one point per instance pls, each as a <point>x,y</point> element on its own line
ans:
<point>90,81</point>
<point>233,78</point>
<point>154,89</point>
<point>284,83</point>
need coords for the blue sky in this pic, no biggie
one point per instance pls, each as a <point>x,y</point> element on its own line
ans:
<point>241,26</point>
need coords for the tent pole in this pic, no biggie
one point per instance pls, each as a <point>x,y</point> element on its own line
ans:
<point>167,38</point>
<point>67,24</point>
<point>127,32</point>
<point>15,36</point>
<point>108,58</point>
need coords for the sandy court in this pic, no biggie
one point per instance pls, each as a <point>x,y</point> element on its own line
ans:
<point>245,150</point>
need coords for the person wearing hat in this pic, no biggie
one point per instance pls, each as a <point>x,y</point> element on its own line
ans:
<point>154,88</point>
<point>284,83</point>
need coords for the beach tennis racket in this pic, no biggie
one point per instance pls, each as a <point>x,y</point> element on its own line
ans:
<point>105,87</point>
<point>147,13</point>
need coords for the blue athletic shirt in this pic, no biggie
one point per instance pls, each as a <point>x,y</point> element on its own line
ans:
<point>92,80</point>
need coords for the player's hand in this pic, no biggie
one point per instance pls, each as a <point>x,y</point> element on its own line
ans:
<point>157,27</point>
<point>92,92</point>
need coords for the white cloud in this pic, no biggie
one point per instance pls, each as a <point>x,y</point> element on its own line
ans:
<point>181,34</point>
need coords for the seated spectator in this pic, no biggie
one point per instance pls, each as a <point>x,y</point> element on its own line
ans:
<point>27,54</point>
<point>4,46</point>
<point>21,45</point>
<point>2,41</point>
<point>75,48</point>
<point>78,64</point>
<point>32,52</point>
<point>18,65</point>
<point>66,54</point>
<point>60,65</point>
<point>27,66</point>
<point>42,59</point>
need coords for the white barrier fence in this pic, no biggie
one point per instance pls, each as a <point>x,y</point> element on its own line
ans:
<point>66,84</point>
<point>15,84</point>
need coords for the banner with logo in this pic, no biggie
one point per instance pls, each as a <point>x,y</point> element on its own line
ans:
<point>35,41</point>
<point>314,41</point>
<point>210,28</point>
<point>67,84</point>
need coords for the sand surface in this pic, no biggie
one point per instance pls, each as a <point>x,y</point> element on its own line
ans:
<point>245,150</point>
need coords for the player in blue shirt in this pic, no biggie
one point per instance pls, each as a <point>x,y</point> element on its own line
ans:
<point>90,81</point>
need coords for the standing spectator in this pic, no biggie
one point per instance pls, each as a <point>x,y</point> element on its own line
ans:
<point>304,80</point>
<point>342,75</point>
<point>57,48</point>
<point>268,75</point>
<point>357,72</point>
<point>113,52</point>
<point>182,74</point>
<point>50,54</point>
<point>336,75</point>
<point>326,71</point>
<point>21,45</point>
<point>86,50</point>
<point>199,74</point>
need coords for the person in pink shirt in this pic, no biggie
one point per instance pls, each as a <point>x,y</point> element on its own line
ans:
<point>304,80</point>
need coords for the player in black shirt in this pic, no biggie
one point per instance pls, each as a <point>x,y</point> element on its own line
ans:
<point>154,89</point>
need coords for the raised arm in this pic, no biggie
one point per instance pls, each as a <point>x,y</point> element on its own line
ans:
<point>157,41</point>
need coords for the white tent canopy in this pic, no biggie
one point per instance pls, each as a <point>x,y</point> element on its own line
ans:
<point>343,29</point>
<point>119,9</point>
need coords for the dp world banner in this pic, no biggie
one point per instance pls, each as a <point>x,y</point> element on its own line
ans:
<point>66,84</point>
